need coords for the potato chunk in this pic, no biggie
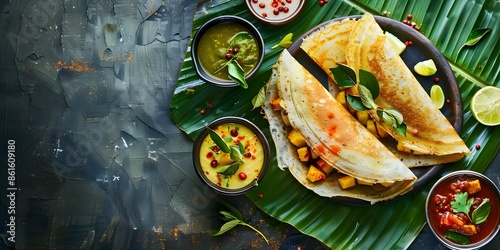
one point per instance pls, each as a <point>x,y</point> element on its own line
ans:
<point>324,166</point>
<point>347,182</point>
<point>370,125</point>
<point>296,138</point>
<point>341,99</point>
<point>315,174</point>
<point>303,154</point>
<point>363,116</point>
<point>474,187</point>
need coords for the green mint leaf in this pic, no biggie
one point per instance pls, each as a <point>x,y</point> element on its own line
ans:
<point>260,98</point>
<point>227,216</point>
<point>226,227</point>
<point>366,97</point>
<point>401,129</point>
<point>285,42</point>
<point>218,141</point>
<point>482,212</point>
<point>461,204</point>
<point>355,102</point>
<point>387,118</point>
<point>236,154</point>
<point>474,37</point>
<point>232,210</point>
<point>396,114</point>
<point>237,74</point>
<point>457,237</point>
<point>228,170</point>
<point>241,37</point>
<point>344,76</point>
<point>368,80</point>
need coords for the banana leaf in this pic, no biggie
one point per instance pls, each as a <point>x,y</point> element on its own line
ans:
<point>389,225</point>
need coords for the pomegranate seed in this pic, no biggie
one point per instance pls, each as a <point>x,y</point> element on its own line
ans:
<point>326,1</point>
<point>247,154</point>
<point>255,1</point>
<point>274,4</point>
<point>261,196</point>
<point>415,131</point>
<point>202,111</point>
<point>234,132</point>
<point>216,149</point>
<point>210,155</point>
<point>410,16</point>
<point>407,43</point>
<point>276,11</point>
<point>410,43</point>
<point>285,9</point>
<point>448,101</point>
<point>436,79</point>
<point>280,8</point>
<point>235,50</point>
<point>214,163</point>
<point>478,146</point>
<point>229,56</point>
<point>262,5</point>
<point>405,21</point>
<point>289,1</point>
<point>264,14</point>
<point>242,175</point>
<point>210,106</point>
<point>322,2</point>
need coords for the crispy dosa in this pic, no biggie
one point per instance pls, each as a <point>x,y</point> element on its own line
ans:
<point>429,133</point>
<point>333,134</point>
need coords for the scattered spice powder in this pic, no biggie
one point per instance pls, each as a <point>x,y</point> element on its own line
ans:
<point>74,65</point>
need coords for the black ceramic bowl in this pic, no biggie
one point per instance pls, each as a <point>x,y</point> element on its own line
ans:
<point>275,13</point>
<point>200,70</point>
<point>204,155</point>
<point>434,206</point>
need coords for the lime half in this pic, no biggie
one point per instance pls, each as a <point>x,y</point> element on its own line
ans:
<point>485,106</point>
<point>395,42</point>
<point>425,68</point>
<point>437,96</point>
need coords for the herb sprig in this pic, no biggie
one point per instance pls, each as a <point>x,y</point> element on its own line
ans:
<point>463,204</point>
<point>369,90</point>
<point>233,218</point>
<point>235,153</point>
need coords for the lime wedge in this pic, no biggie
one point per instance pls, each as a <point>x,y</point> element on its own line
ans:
<point>425,68</point>
<point>485,106</point>
<point>437,96</point>
<point>395,42</point>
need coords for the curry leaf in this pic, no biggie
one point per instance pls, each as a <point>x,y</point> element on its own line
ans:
<point>237,74</point>
<point>401,129</point>
<point>482,212</point>
<point>232,210</point>
<point>344,76</point>
<point>236,154</point>
<point>474,37</point>
<point>457,237</point>
<point>260,98</point>
<point>355,102</point>
<point>228,170</point>
<point>396,114</point>
<point>218,141</point>
<point>366,97</point>
<point>226,227</point>
<point>285,42</point>
<point>368,80</point>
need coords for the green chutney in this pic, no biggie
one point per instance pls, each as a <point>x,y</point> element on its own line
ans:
<point>215,44</point>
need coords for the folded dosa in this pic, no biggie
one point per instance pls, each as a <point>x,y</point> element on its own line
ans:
<point>429,133</point>
<point>333,133</point>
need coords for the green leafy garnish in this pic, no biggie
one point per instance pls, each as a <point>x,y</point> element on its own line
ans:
<point>218,141</point>
<point>285,42</point>
<point>233,219</point>
<point>482,212</point>
<point>237,74</point>
<point>369,90</point>
<point>457,237</point>
<point>228,170</point>
<point>474,37</point>
<point>461,204</point>
<point>260,98</point>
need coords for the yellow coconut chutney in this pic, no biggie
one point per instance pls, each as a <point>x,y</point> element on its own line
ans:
<point>211,158</point>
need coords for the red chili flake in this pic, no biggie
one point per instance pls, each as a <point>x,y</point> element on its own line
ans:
<point>264,14</point>
<point>210,155</point>
<point>262,5</point>
<point>202,111</point>
<point>261,196</point>
<point>448,101</point>
<point>247,154</point>
<point>478,146</point>
<point>436,79</point>
<point>242,175</point>
<point>410,16</point>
